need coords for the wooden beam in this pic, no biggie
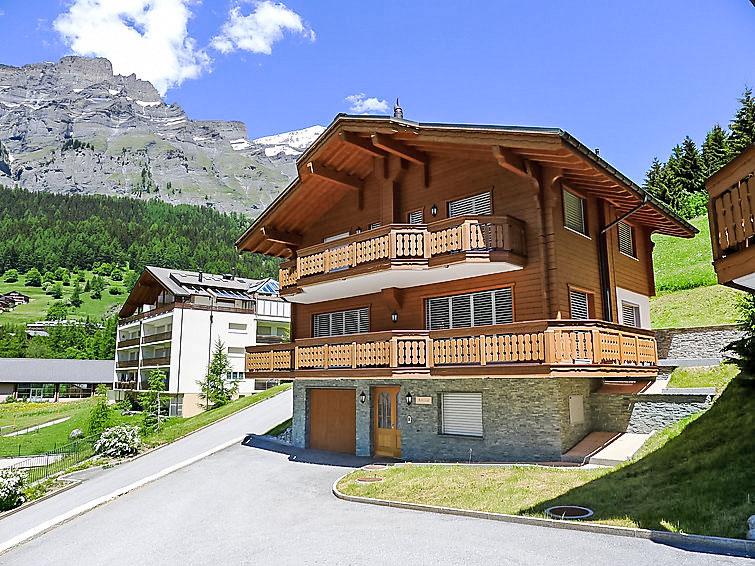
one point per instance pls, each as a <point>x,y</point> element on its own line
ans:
<point>361,143</point>
<point>510,161</point>
<point>398,148</point>
<point>337,177</point>
<point>288,238</point>
<point>392,297</point>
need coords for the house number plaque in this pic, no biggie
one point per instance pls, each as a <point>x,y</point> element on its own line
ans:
<point>424,400</point>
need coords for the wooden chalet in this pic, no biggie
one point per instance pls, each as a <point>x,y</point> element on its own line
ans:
<point>464,265</point>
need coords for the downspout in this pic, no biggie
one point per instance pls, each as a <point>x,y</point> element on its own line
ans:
<point>605,277</point>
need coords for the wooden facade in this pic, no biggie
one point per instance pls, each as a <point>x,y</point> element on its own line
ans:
<point>731,213</point>
<point>345,234</point>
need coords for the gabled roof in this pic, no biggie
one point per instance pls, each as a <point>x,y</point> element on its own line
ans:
<point>346,150</point>
<point>183,284</point>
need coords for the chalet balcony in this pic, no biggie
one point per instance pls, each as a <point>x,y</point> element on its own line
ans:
<point>405,255</point>
<point>536,348</point>
<point>732,223</point>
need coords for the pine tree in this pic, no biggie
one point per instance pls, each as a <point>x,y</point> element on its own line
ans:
<point>215,389</point>
<point>716,151</point>
<point>674,193</point>
<point>654,178</point>
<point>691,172</point>
<point>76,296</point>
<point>743,125</point>
<point>150,400</point>
<point>100,415</point>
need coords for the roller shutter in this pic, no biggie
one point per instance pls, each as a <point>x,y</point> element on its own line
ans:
<point>462,413</point>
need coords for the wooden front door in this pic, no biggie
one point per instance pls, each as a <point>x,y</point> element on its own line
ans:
<point>386,430</point>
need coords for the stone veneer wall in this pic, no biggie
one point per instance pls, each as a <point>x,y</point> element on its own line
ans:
<point>640,413</point>
<point>523,419</point>
<point>699,342</point>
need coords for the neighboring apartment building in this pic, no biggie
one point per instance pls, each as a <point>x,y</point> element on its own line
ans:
<point>172,319</point>
<point>731,214</point>
<point>457,291</point>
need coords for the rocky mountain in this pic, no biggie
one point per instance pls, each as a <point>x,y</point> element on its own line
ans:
<point>75,127</point>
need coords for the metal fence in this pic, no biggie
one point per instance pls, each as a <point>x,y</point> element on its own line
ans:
<point>45,465</point>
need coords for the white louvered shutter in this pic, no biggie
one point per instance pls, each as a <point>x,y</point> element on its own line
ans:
<point>574,213</point>
<point>626,241</point>
<point>415,217</point>
<point>630,314</point>
<point>462,413</point>
<point>580,304</point>
<point>475,204</point>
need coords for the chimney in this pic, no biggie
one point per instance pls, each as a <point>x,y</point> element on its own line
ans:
<point>200,275</point>
<point>597,151</point>
<point>398,112</point>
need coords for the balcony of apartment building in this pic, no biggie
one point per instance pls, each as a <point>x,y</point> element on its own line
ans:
<point>731,214</point>
<point>584,348</point>
<point>405,255</point>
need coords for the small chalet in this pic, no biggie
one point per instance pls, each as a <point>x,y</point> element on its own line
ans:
<point>731,213</point>
<point>458,291</point>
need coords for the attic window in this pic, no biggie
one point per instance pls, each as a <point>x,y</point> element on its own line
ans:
<point>574,212</point>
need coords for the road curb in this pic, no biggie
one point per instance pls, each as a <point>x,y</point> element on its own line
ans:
<point>697,543</point>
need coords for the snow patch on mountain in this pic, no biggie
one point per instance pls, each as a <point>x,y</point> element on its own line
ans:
<point>289,143</point>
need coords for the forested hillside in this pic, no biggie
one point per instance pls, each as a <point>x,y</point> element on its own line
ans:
<point>48,231</point>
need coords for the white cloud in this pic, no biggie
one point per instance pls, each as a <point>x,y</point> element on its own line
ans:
<point>362,105</point>
<point>258,31</point>
<point>146,37</point>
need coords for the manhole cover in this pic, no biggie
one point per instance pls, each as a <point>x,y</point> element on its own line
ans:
<point>568,512</point>
<point>369,479</point>
<point>374,467</point>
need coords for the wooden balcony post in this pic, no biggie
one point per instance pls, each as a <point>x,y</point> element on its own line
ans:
<point>430,355</point>
<point>482,350</point>
<point>636,350</point>
<point>272,360</point>
<point>550,346</point>
<point>597,347</point>
<point>354,355</point>
<point>394,352</point>
<point>325,354</point>
<point>392,244</point>
<point>296,357</point>
<point>621,349</point>
<point>466,235</point>
<point>426,244</point>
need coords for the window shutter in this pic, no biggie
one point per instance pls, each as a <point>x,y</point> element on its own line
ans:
<point>504,308</point>
<point>322,325</point>
<point>630,314</point>
<point>438,313</point>
<point>462,413</point>
<point>626,241</point>
<point>374,225</point>
<point>461,311</point>
<point>354,321</point>
<point>351,322</point>
<point>574,214</point>
<point>415,217</point>
<point>580,305</point>
<point>483,308</point>
<point>475,204</point>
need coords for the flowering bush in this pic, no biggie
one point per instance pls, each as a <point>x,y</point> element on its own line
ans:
<point>117,441</point>
<point>12,483</point>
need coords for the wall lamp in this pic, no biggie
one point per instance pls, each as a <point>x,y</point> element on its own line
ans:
<point>409,398</point>
<point>362,397</point>
<point>394,317</point>
<point>434,210</point>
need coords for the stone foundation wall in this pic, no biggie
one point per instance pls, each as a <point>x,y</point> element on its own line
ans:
<point>699,342</point>
<point>644,413</point>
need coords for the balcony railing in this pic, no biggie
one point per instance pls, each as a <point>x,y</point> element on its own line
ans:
<point>128,342</point>
<point>127,363</point>
<point>554,343</point>
<point>124,385</point>
<point>271,339</point>
<point>158,337</point>
<point>428,244</point>
<point>181,305</point>
<point>156,361</point>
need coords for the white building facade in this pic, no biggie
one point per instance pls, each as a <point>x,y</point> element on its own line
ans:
<point>172,321</point>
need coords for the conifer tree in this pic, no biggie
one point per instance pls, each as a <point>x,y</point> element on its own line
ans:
<point>716,150</point>
<point>76,296</point>
<point>215,389</point>
<point>743,125</point>
<point>654,178</point>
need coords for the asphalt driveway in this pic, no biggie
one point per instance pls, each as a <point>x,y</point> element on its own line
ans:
<point>263,504</point>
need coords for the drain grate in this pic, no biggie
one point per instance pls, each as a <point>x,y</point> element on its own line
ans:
<point>568,512</point>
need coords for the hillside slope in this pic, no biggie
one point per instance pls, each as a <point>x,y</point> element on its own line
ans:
<point>74,127</point>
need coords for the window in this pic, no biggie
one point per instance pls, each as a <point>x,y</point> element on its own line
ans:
<point>236,351</point>
<point>574,212</point>
<point>336,237</point>
<point>462,413</point>
<point>374,225</point>
<point>470,309</point>
<point>630,314</point>
<point>354,321</point>
<point>234,375</point>
<point>476,204</point>
<point>626,239</point>
<point>416,217</point>
<point>236,327</point>
<point>580,304</point>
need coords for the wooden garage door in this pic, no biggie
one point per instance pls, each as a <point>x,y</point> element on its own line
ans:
<point>332,420</point>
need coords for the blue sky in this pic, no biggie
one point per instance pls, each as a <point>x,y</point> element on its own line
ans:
<point>632,78</point>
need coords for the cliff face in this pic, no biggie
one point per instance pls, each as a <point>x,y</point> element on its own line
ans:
<point>73,126</point>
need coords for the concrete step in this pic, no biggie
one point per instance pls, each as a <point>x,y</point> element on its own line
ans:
<point>606,448</point>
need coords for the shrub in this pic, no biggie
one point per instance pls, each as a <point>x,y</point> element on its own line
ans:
<point>118,441</point>
<point>99,416</point>
<point>33,278</point>
<point>744,348</point>
<point>11,276</point>
<point>115,290</point>
<point>12,483</point>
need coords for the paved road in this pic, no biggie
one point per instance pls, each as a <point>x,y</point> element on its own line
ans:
<point>255,420</point>
<point>260,505</point>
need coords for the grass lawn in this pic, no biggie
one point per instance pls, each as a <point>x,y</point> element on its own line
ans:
<point>48,438</point>
<point>684,263</point>
<point>177,427</point>
<point>36,309</point>
<point>702,306</point>
<point>22,415</point>
<point>276,430</point>
<point>695,477</point>
<point>718,377</point>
